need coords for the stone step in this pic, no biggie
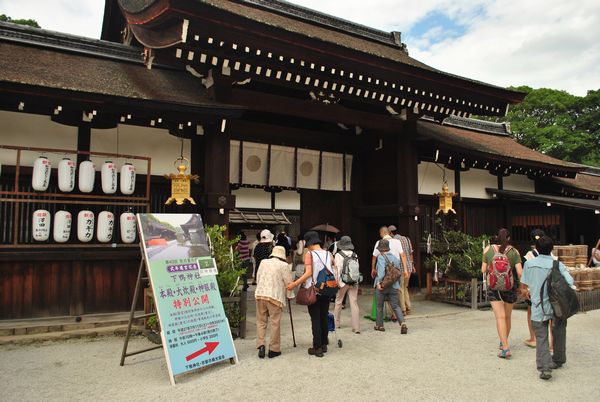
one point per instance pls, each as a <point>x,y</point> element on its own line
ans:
<point>27,339</point>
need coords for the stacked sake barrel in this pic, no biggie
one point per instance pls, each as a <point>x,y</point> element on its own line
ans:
<point>573,255</point>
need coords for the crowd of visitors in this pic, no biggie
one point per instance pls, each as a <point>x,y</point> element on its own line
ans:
<point>327,270</point>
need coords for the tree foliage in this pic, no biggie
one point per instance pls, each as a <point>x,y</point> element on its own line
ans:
<point>20,21</point>
<point>559,124</point>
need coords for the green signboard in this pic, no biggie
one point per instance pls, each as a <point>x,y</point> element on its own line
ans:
<point>194,329</point>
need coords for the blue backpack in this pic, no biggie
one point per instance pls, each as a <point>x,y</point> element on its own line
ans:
<point>325,284</point>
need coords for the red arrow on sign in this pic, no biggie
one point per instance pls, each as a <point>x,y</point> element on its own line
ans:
<point>208,347</point>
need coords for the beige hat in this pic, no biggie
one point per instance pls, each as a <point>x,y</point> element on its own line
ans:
<point>266,236</point>
<point>279,252</point>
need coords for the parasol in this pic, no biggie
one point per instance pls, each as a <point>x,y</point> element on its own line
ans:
<point>326,228</point>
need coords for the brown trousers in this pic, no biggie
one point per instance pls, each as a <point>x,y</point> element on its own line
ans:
<point>267,310</point>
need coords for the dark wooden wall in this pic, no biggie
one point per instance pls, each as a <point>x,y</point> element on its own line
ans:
<point>48,283</point>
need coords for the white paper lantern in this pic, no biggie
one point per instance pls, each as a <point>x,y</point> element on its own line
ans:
<point>109,177</point>
<point>87,175</point>
<point>41,225</point>
<point>66,175</point>
<point>127,227</point>
<point>127,179</point>
<point>40,178</point>
<point>85,226</point>
<point>62,226</point>
<point>106,225</point>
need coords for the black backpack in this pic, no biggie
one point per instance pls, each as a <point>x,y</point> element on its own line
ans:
<point>562,297</point>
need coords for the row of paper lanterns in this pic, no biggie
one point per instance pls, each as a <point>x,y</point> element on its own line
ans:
<point>61,233</point>
<point>42,167</point>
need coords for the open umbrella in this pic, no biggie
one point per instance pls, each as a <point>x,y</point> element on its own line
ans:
<point>326,228</point>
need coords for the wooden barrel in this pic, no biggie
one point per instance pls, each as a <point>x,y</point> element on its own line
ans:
<point>581,250</point>
<point>558,251</point>
<point>569,261</point>
<point>581,260</point>
<point>595,278</point>
<point>586,282</point>
<point>569,251</point>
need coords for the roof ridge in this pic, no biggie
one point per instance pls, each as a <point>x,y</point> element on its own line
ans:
<point>484,126</point>
<point>73,43</point>
<point>392,39</point>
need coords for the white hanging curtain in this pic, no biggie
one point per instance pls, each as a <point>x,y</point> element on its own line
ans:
<point>308,169</point>
<point>282,167</point>
<point>254,169</point>
<point>332,171</point>
<point>234,162</point>
<point>348,172</point>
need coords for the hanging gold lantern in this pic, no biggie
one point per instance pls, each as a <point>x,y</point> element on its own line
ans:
<point>180,183</point>
<point>445,200</point>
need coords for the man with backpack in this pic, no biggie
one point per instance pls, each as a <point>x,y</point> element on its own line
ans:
<point>387,282</point>
<point>536,276</point>
<point>348,276</point>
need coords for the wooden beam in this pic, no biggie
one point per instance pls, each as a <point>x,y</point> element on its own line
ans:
<point>313,110</point>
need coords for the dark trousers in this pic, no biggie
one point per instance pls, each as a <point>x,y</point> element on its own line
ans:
<point>543,358</point>
<point>318,319</point>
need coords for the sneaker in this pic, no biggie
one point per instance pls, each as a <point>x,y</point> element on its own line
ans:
<point>546,375</point>
<point>261,352</point>
<point>318,352</point>
<point>324,348</point>
<point>273,354</point>
<point>378,328</point>
<point>403,329</point>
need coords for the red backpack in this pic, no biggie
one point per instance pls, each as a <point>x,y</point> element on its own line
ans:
<point>500,276</point>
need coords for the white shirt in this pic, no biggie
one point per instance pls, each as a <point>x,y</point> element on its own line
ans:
<point>395,247</point>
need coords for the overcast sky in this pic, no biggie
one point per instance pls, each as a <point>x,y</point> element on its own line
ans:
<point>541,43</point>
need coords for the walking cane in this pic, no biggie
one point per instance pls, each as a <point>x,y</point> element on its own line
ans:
<point>292,321</point>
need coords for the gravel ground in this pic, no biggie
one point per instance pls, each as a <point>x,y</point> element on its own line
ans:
<point>449,354</point>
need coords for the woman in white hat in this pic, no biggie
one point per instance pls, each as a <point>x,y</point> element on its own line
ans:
<point>263,249</point>
<point>272,279</point>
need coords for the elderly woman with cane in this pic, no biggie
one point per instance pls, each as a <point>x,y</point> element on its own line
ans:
<point>272,280</point>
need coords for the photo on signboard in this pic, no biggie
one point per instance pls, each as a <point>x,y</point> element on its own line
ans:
<point>173,236</point>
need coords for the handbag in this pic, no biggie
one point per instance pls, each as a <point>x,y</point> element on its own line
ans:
<point>306,296</point>
<point>392,274</point>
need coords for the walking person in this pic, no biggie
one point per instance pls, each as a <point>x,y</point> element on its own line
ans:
<point>405,304</point>
<point>536,234</point>
<point>272,280</point>
<point>535,273</point>
<point>263,249</point>
<point>391,292</point>
<point>347,260</point>
<point>243,249</point>
<point>395,249</point>
<point>252,247</point>
<point>315,261</point>
<point>498,256</point>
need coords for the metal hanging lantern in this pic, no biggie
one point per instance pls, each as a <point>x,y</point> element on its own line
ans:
<point>180,183</point>
<point>445,198</point>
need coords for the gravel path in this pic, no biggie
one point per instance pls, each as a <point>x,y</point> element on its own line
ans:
<point>449,354</point>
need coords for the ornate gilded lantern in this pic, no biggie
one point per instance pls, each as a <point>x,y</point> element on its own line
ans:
<point>445,200</point>
<point>180,183</point>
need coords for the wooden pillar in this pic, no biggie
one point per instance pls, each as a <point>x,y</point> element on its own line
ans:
<point>213,153</point>
<point>83,141</point>
<point>407,187</point>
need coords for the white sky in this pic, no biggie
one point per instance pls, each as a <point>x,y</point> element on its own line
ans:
<point>541,43</point>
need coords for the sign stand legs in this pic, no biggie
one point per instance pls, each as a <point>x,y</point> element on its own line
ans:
<point>132,318</point>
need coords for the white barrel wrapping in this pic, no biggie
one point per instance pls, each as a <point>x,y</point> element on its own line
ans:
<point>87,175</point>
<point>40,225</point>
<point>62,226</point>
<point>127,225</point>
<point>85,226</point>
<point>106,225</point>
<point>40,179</point>
<point>66,175</point>
<point>109,177</point>
<point>127,182</point>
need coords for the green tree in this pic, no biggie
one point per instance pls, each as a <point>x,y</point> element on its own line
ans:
<point>558,124</point>
<point>21,21</point>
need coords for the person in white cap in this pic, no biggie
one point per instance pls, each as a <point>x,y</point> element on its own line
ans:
<point>272,279</point>
<point>263,249</point>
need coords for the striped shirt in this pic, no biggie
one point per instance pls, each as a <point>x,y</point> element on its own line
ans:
<point>407,247</point>
<point>243,248</point>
